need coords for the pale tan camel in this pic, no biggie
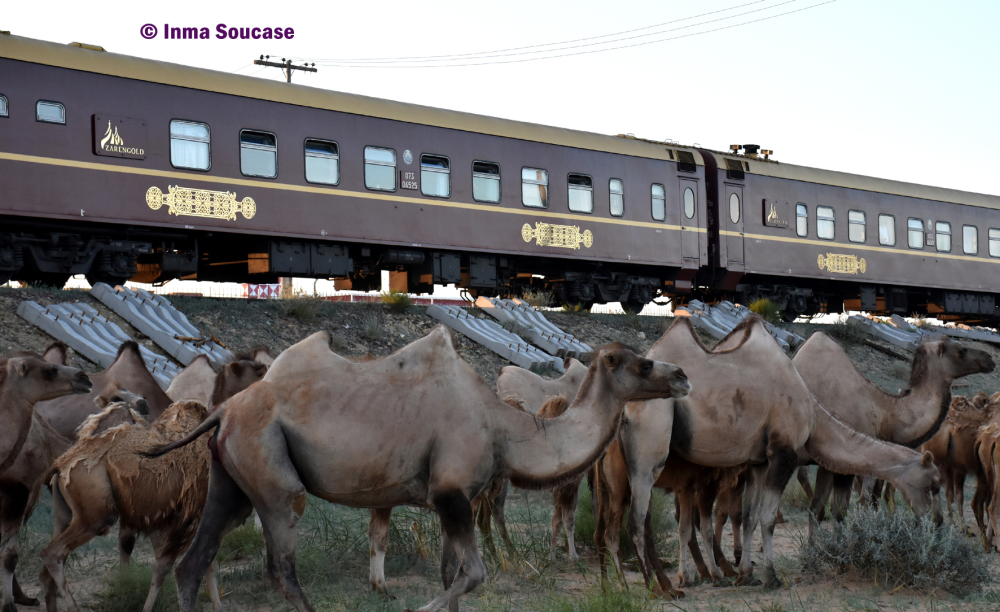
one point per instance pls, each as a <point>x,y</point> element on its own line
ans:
<point>909,419</point>
<point>195,382</point>
<point>533,390</point>
<point>954,445</point>
<point>26,380</point>
<point>128,370</point>
<point>418,427</point>
<point>103,478</point>
<point>750,406</point>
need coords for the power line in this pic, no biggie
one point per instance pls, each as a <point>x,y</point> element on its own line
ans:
<point>565,42</point>
<point>531,59</point>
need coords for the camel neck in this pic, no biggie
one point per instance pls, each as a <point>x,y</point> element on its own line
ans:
<point>915,417</point>
<point>543,453</point>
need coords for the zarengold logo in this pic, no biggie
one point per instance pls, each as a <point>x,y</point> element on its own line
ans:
<point>115,132</point>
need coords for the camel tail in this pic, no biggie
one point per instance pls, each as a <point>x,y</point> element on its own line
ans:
<point>36,490</point>
<point>210,423</point>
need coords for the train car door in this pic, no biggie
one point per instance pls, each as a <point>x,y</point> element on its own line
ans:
<point>689,223</point>
<point>732,210</point>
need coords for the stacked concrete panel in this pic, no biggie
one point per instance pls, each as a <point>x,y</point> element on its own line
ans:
<point>87,332</point>
<point>497,339</point>
<point>719,320</point>
<point>154,316</point>
<point>896,331</point>
<point>537,329</point>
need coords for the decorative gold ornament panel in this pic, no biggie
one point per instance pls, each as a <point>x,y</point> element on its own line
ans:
<point>200,203</point>
<point>842,264</point>
<point>565,236</point>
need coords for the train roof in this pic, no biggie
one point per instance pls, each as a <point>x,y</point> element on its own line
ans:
<point>856,181</point>
<point>113,64</point>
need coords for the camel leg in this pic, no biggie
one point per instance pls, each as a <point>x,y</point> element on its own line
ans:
<point>706,498</point>
<point>126,544</point>
<point>482,512</point>
<point>611,502</point>
<point>212,583</point>
<point>684,533</point>
<point>557,519</point>
<point>166,551</point>
<point>817,505</point>
<point>12,504</point>
<point>751,514</point>
<point>227,507</point>
<point>61,516</point>
<point>979,499</point>
<point>949,490</point>
<point>842,484</point>
<point>462,569</point>
<point>566,506</point>
<point>642,487</point>
<point>654,561</point>
<point>500,518</point>
<point>781,466</point>
<point>802,475</point>
<point>378,543</point>
<point>960,496</point>
<point>877,491</point>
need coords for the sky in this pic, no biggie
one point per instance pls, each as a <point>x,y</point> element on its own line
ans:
<point>904,90</point>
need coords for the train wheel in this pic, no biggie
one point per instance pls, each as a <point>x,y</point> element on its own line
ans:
<point>94,278</point>
<point>635,306</point>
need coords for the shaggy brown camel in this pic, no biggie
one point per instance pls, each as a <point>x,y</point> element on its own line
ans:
<point>533,390</point>
<point>750,406</point>
<point>909,419</point>
<point>103,478</point>
<point>26,380</point>
<point>128,371</point>
<point>954,445</point>
<point>986,503</point>
<point>418,427</point>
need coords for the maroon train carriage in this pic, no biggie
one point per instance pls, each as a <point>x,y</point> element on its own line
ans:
<point>118,167</point>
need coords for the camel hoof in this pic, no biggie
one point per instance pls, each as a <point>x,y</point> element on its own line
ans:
<point>31,602</point>
<point>748,580</point>
<point>9,607</point>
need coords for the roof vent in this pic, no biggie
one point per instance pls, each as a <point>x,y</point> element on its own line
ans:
<point>685,162</point>
<point>751,149</point>
<point>86,46</point>
<point>734,170</point>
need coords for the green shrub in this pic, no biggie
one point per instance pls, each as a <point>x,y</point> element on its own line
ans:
<point>126,591</point>
<point>632,319</point>
<point>768,310</point>
<point>371,326</point>
<point>576,308</point>
<point>846,333</point>
<point>242,542</point>
<point>609,600</point>
<point>302,309</point>
<point>397,301</point>
<point>538,298</point>
<point>892,548</point>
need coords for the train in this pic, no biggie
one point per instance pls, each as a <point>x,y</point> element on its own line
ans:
<point>118,168</point>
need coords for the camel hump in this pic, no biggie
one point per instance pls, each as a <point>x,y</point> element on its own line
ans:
<point>553,407</point>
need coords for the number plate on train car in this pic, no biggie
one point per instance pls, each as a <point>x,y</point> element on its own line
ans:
<point>408,180</point>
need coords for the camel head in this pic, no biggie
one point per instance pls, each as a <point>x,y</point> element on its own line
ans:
<point>38,380</point>
<point>115,394</point>
<point>920,485</point>
<point>639,378</point>
<point>950,359</point>
<point>235,377</point>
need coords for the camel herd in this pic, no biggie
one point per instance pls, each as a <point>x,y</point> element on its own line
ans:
<point>724,429</point>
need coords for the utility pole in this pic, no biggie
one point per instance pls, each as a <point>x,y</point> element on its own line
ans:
<point>285,65</point>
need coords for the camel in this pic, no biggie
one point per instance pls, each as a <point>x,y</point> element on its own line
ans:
<point>954,445</point>
<point>195,382</point>
<point>909,419</point>
<point>418,427</point>
<point>26,380</point>
<point>103,479</point>
<point>986,503</point>
<point>750,406</point>
<point>128,370</point>
<point>533,390</point>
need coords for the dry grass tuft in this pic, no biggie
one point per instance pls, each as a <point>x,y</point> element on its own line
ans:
<point>768,310</point>
<point>538,298</point>
<point>397,301</point>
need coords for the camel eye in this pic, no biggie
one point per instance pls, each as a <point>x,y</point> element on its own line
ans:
<point>50,373</point>
<point>646,367</point>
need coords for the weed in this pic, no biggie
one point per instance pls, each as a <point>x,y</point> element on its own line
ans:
<point>663,525</point>
<point>302,309</point>
<point>372,327</point>
<point>538,298</point>
<point>126,591</point>
<point>794,496</point>
<point>397,301</point>
<point>664,324</point>
<point>514,327</point>
<point>242,542</point>
<point>547,371</point>
<point>919,320</point>
<point>337,343</point>
<point>900,370</point>
<point>768,310</point>
<point>632,319</point>
<point>576,308</point>
<point>610,600</point>
<point>846,333</point>
<point>892,549</point>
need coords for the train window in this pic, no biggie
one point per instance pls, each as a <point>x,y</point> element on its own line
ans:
<point>435,176</point>
<point>994,242</point>
<point>970,239</point>
<point>258,154</point>
<point>685,162</point>
<point>380,169</point>
<point>825,223</point>
<point>659,202</point>
<point>190,144</point>
<point>689,207</point>
<point>915,233</point>
<point>734,170</point>
<point>3,106</point>
<point>942,239</point>
<point>322,162</point>
<point>887,230</point>
<point>856,225</point>
<point>50,112</point>
<point>485,181</point>
<point>617,189</point>
<point>801,219</point>
<point>734,208</point>
<point>581,193</point>
<point>535,187</point>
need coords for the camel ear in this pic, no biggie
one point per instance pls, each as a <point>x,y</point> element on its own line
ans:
<point>611,360</point>
<point>566,362</point>
<point>927,459</point>
<point>235,367</point>
<point>22,367</point>
<point>939,348</point>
